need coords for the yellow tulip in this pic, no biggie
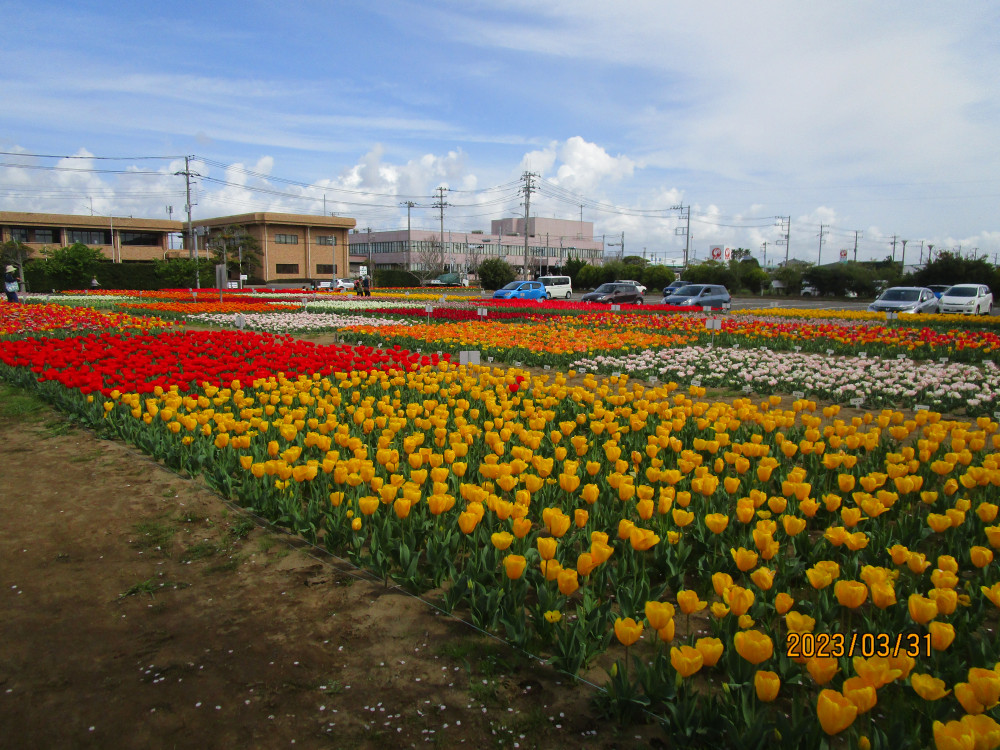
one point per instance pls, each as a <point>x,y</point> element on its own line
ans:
<point>745,559</point>
<point>514,566</point>
<point>763,578</point>
<point>658,614</point>
<point>927,687</point>
<point>716,522</point>
<point>711,650</point>
<point>954,736</point>
<point>986,686</point>
<point>981,556</point>
<point>627,630</point>
<point>754,646</point>
<point>739,599</point>
<point>836,713</point>
<point>368,505</point>
<point>567,581</point>
<point>860,693</point>
<point>967,697</point>
<point>689,602</point>
<point>822,668</point>
<point>876,671</point>
<point>686,660</point>
<point>721,581</point>
<point>642,539</point>
<point>796,622</point>
<point>767,685</point>
<point>922,609</point>
<point>547,547</point>
<point>850,594</point>
<point>942,635</point>
<point>502,539</point>
<point>783,602</point>
<point>666,633</point>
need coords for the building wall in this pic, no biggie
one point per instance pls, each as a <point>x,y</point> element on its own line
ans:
<point>553,247</point>
<point>290,244</point>
<point>119,238</point>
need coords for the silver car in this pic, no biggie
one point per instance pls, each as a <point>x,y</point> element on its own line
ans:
<point>907,300</point>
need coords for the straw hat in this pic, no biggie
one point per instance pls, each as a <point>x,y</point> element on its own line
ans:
<point>11,269</point>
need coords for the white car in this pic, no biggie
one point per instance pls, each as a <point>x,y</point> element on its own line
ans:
<point>967,299</point>
<point>642,289</point>
<point>344,285</point>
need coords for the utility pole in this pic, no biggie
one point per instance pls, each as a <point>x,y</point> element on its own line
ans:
<point>409,256</point>
<point>441,190</point>
<point>893,248</point>
<point>857,232</point>
<point>822,234</point>
<point>764,245</point>
<point>921,252</point>
<point>685,230</point>
<point>785,223</point>
<point>193,244</point>
<point>903,257</point>
<point>528,188</point>
<point>930,252</point>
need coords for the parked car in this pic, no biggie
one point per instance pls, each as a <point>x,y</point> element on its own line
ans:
<point>521,290</point>
<point>615,292</point>
<point>967,299</point>
<point>642,289</point>
<point>905,300</point>
<point>557,286</point>
<point>705,295</point>
<point>809,291</point>
<point>672,287</point>
<point>344,285</point>
<point>939,289</point>
<point>449,279</point>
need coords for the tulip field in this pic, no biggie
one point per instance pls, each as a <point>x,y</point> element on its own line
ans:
<point>804,556</point>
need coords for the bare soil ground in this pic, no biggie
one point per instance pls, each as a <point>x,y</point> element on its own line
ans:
<point>140,610</point>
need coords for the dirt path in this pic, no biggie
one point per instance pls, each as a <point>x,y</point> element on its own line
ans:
<point>139,610</point>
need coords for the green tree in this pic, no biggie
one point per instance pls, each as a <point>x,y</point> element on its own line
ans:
<point>227,244</point>
<point>790,275</point>
<point>13,252</point>
<point>749,275</point>
<point>657,277</point>
<point>711,272</point>
<point>70,267</point>
<point>495,273</point>
<point>572,268</point>
<point>179,273</point>
<point>949,268</point>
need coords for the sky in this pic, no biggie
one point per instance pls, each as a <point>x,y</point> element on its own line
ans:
<point>865,121</point>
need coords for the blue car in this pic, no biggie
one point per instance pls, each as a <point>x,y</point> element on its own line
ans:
<point>521,290</point>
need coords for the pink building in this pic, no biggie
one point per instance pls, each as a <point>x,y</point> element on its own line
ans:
<point>551,242</point>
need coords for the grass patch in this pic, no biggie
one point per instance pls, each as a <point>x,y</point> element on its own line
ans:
<point>85,458</point>
<point>226,567</point>
<point>150,586</point>
<point>18,406</point>
<point>188,516</point>
<point>265,543</point>
<point>242,528</point>
<point>153,535</point>
<point>199,551</point>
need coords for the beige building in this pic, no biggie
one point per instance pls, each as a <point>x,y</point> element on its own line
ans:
<point>292,246</point>
<point>120,238</point>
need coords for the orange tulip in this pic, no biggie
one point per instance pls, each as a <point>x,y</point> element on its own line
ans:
<point>627,630</point>
<point>567,581</point>
<point>658,614</point>
<point>547,546</point>
<point>514,566</point>
<point>850,594</point>
<point>689,602</point>
<point>927,687</point>
<point>711,650</point>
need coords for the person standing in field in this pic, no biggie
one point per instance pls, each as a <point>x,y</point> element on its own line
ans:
<point>10,283</point>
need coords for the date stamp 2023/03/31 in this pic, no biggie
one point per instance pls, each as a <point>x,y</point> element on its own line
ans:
<point>866,645</point>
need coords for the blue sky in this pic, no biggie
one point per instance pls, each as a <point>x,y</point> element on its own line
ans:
<point>879,117</point>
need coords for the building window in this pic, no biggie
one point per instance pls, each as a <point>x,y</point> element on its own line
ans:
<point>324,269</point>
<point>286,268</point>
<point>140,238</point>
<point>286,239</point>
<point>326,239</point>
<point>88,237</point>
<point>19,234</point>
<point>43,235</point>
